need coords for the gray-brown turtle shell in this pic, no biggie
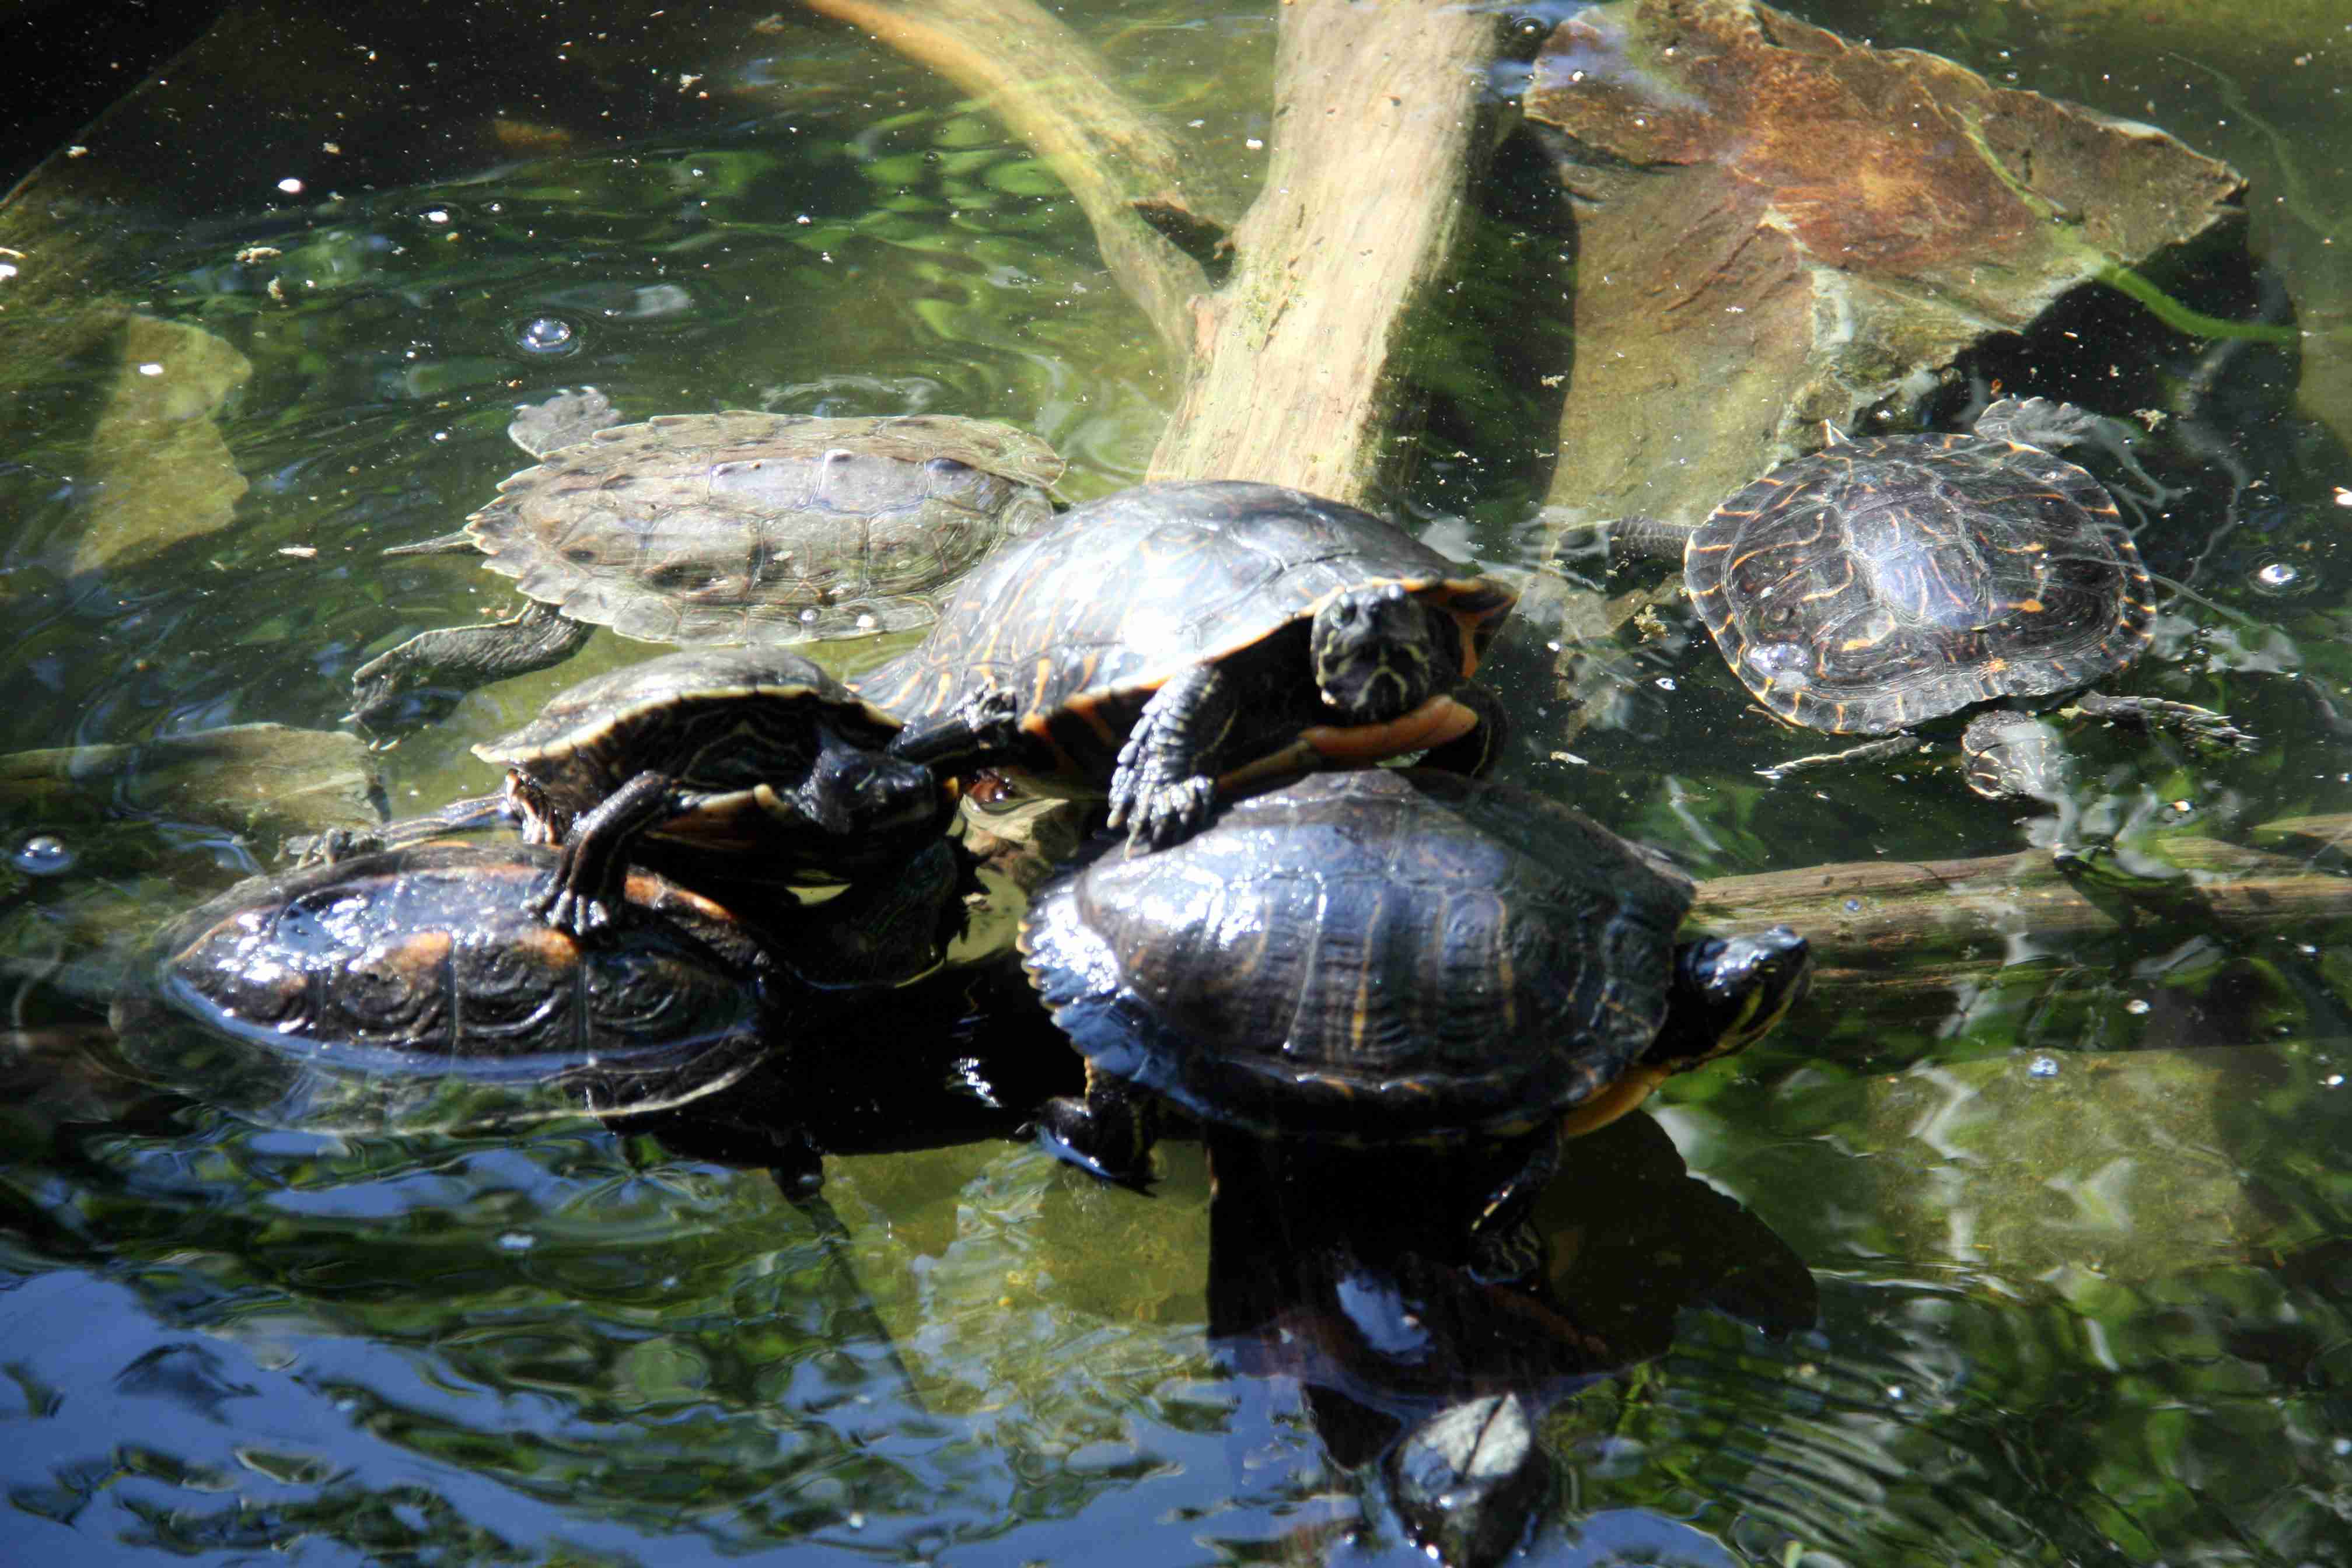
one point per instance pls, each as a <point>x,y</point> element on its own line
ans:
<point>1372,956</point>
<point>1881,584</point>
<point>762,528</point>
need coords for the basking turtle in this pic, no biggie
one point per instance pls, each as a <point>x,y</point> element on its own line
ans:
<point>706,758</point>
<point>1174,640</point>
<point>418,985</point>
<point>1378,956</point>
<point>1879,584</point>
<point>734,527</point>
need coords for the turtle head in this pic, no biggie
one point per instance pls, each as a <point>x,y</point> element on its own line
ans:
<point>1377,653</point>
<point>856,791</point>
<point>2012,755</point>
<point>1729,993</point>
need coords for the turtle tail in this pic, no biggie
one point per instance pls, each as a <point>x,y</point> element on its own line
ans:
<point>446,544</point>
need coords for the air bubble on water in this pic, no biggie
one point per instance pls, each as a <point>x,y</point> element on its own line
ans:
<point>2137,1005</point>
<point>546,335</point>
<point>1665,683</point>
<point>517,1242</point>
<point>43,854</point>
<point>2334,1081</point>
<point>2278,577</point>
<point>2043,1067</point>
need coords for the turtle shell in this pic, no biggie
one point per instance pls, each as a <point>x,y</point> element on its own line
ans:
<point>1083,619</point>
<point>1371,956</point>
<point>762,528</point>
<point>1884,582</point>
<point>732,725</point>
<point>418,986</point>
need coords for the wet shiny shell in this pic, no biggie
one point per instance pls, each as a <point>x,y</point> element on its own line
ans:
<point>724,721</point>
<point>762,528</point>
<point>1881,584</point>
<point>1085,618</point>
<point>1370,954</point>
<point>430,959</point>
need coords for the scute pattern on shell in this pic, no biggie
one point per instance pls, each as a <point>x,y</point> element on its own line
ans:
<point>758,528</point>
<point>1054,615</point>
<point>1367,956</point>
<point>431,958</point>
<point>1884,582</point>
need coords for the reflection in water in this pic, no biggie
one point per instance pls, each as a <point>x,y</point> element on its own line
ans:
<point>1347,1278</point>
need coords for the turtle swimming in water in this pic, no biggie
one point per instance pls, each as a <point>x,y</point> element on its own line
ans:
<point>1169,642</point>
<point>1381,956</point>
<point>715,528</point>
<point>1880,584</point>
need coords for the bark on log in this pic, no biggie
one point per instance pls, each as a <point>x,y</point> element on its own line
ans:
<point>1900,936</point>
<point>1296,364</point>
<point>1382,125</point>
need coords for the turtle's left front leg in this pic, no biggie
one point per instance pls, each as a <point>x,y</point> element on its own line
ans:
<point>1160,792</point>
<point>594,856</point>
<point>2186,719</point>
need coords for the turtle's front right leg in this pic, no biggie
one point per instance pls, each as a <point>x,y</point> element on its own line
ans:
<point>421,679</point>
<point>1161,793</point>
<point>590,866</point>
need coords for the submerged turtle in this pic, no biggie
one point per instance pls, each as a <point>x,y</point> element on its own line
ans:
<point>734,527</point>
<point>1174,640</point>
<point>418,985</point>
<point>1880,584</point>
<point>1381,956</point>
<point>737,759</point>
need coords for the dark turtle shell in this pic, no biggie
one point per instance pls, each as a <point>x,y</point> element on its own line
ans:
<point>741,727</point>
<point>1083,619</point>
<point>1883,582</point>
<point>408,983</point>
<point>762,528</point>
<point>1372,956</point>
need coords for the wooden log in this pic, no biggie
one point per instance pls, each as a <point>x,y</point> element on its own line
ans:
<point>1382,126</point>
<point>1898,937</point>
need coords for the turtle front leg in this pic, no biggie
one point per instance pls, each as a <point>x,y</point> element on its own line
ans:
<point>589,867</point>
<point>421,679</point>
<point>1886,746</point>
<point>2185,719</point>
<point>1160,792</point>
<point>1108,1132</point>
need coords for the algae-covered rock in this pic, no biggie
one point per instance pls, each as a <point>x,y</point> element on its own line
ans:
<point>1777,227</point>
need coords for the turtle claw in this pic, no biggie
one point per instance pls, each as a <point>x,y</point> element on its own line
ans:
<point>1162,815</point>
<point>577,915</point>
<point>332,844</point>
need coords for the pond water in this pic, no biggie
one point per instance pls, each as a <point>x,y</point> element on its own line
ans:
<point>2043,1260</point>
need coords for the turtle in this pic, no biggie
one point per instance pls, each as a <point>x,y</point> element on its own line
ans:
<point>715,529</point>
<point>1174,641</point>
<point>1880,584</point>
<point>1386,956</point>
<point>418,985</point>
<point>705,758</point>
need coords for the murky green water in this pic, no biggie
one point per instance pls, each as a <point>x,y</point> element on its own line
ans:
<point>2074,1226</point>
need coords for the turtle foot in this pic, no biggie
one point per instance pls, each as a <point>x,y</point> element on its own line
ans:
<point>577,915</point>
<point>1158,815</point>
<point>1112,1149</point>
